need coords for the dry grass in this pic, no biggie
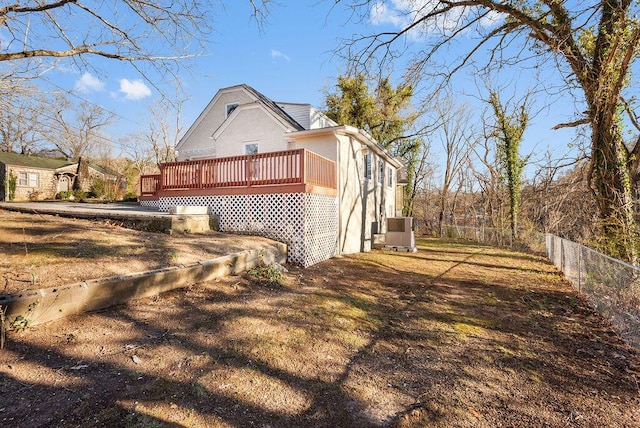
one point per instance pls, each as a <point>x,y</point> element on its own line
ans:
<point>41,251</point>
<point>454,335</point>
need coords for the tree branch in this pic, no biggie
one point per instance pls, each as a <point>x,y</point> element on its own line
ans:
<point>579,122</point>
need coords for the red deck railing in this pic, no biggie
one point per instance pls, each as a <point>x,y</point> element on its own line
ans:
<point>149,184</point>
<point>291,167</point>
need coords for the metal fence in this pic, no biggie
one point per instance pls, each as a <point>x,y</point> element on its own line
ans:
<point>527,241</point>
<point>610,285</point>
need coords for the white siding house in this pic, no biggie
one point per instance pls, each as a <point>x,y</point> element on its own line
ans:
<point>335,215</point>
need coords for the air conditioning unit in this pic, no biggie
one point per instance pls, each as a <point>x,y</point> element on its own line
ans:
<point>400,233</point>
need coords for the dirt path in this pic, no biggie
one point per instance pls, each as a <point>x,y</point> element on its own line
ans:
<point>453,335</point>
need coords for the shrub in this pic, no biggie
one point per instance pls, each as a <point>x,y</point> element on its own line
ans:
<point>11,186</point>
<point>130,197</point>
<point>34,195</point>
<point>105,189</point>
<point>266,275</point>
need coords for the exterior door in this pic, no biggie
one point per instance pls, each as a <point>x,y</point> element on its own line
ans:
<point>64,184</point>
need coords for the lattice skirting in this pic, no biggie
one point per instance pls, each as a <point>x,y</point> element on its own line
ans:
<point>152,204</point>
<point>307,223</point>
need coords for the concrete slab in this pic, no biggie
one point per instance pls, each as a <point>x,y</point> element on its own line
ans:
<point>127,210</point>
<point>129,215</point>
<point>189,210</point>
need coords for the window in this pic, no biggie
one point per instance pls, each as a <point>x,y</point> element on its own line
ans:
<point>390,176</point>
<point>367,165</point>
<point>254,164</point>
<point>381,172</point>
<point>230,108</point>
<point>250,148</point>
<point>29,179</point>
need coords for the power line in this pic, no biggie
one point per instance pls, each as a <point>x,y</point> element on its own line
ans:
<point>69,92</point>
<point>58,128</point>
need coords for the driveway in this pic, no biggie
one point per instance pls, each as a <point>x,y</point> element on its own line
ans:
<point>123,210</point>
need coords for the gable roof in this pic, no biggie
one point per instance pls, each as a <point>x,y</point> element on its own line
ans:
<point>251,106</point>
<point>104,170</point>
<point>263,100</point>
<point>274,107</point>
<point>31,161</point>
<point>16,159</point>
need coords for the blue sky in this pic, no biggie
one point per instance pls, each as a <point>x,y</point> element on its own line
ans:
<point>290,59</point>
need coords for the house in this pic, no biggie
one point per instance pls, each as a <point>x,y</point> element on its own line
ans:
<point>30,177</point>
<point>282,170</point>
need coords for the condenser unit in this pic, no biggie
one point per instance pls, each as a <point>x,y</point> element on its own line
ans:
<point>400,233</point>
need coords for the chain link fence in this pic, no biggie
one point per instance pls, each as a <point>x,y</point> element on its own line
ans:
<point>530,241</point>
<point>610,285</point>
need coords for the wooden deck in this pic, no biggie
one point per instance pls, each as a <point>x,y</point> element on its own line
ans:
<point>290,171</point>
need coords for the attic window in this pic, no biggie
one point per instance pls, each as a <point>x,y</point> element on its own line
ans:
<point>230,108</point>
<point>250,148</point>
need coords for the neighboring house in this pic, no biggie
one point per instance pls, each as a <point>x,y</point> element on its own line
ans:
<point>38,178</point>
<point>282,170</point>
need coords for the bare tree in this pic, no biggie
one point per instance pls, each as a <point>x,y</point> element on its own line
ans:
<point>149,35</point>
<point>458,137</point>
<point>491,186</point>
<point>419,172</point>
<point>165,128</point>
<point>76,130</point>
<point>20,117</point>
<point>594,46</point>
<point>559,201</point>
<point>130,30</point>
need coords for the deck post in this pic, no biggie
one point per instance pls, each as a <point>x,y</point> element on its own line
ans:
<point>248,169</point>
<point>303,170</point>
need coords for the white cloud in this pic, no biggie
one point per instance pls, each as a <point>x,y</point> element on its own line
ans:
<point>381,14</point>
<point>87,83</point>
<point>134,89</point>
<point>402,13</point>
<point>491,19</point>
<point>279,55</point>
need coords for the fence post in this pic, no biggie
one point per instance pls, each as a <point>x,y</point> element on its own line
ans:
<point>579,269</point>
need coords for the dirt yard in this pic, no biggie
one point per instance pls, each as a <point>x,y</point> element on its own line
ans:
<point>453,336</point>
<point>42,251</point>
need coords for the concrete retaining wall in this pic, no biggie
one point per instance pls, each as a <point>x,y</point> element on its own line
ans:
<point>48,304</point>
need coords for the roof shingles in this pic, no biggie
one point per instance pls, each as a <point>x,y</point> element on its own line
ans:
<point>16,159</point>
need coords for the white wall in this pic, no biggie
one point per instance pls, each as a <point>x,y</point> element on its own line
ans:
<point>324,145</point>
<point>198,143</point>
<point>251,125</point>
<point>362,198</point>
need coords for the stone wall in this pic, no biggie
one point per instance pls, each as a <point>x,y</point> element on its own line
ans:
<point>46,180</point>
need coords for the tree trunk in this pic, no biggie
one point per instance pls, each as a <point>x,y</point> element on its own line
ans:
<point>441,218</point>
<point>612,184</point>
<point>513,209</point>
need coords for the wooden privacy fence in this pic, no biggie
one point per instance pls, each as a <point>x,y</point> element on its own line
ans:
<point>289,167</point>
